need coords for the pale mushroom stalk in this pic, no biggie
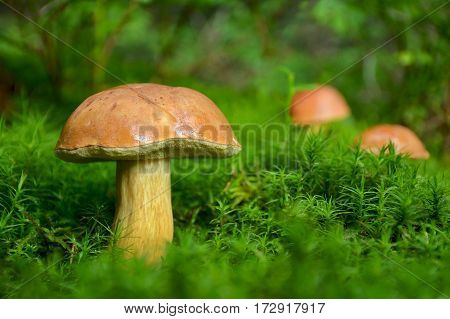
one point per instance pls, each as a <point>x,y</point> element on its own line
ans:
<point>144,209</point>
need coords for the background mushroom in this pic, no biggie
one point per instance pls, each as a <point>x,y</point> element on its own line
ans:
<point>318,106</point>
<point>141,126</point>
<point>403,139</point>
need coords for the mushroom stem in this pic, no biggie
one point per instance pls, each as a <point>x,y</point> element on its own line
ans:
<point>315,128</point>
<point>144,209</point>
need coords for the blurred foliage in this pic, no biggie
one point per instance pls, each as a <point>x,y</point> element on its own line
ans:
<point>243,44</point>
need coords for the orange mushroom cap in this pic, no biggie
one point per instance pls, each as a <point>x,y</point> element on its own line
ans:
<point>147,120</point>
<point>318,106</point>
<point>403,139</point>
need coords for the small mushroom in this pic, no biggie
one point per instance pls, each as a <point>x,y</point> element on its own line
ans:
<point>403,139</point>
<point>318,106</point>
<point>141,126</point>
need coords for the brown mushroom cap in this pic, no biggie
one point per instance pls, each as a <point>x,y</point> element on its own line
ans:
<point>318,106</point>
<point>146,120</point>
<point>403,139</point>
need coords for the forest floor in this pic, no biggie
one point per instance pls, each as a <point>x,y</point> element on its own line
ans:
<point>295,215</point>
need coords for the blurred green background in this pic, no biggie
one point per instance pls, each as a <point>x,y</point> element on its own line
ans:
<point>245,45</point>
<point>307,216</point>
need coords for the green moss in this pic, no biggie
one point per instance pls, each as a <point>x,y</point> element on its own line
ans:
<point>295,215</point>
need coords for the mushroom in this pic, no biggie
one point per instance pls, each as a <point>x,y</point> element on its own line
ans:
<point>141,126</point>
<point>403,139</point>
<point>318,106</point>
